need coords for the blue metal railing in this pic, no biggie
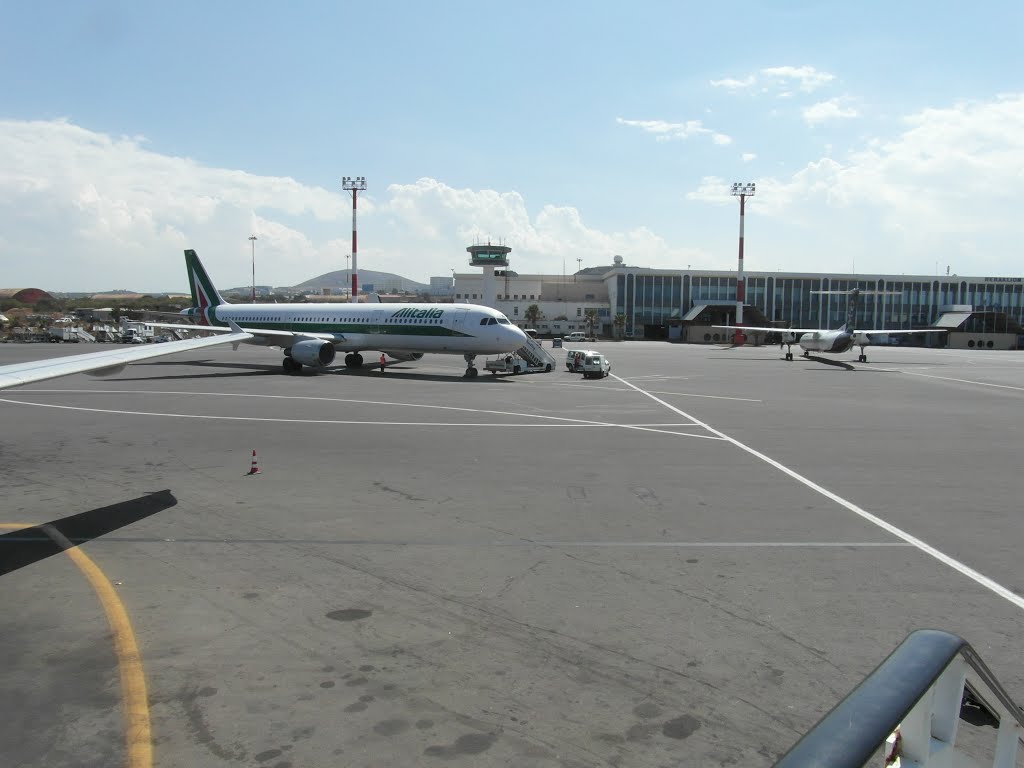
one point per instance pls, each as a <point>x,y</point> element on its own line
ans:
<point>849,735</point>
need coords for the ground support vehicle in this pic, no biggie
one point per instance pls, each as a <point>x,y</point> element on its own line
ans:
<point>58,333</point>
<point>594,366</point>
<point>514,364</point>
<point>574,358</point>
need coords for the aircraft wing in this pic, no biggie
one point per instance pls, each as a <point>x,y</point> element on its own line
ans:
<point>266,333</point>
<point>891,332</point>
<point>771,330</point>
<point>102,363</point>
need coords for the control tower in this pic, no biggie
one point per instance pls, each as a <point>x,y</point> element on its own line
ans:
<point>489,256</point>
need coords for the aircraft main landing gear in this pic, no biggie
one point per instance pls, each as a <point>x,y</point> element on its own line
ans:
<point>290,365</point>
<point>471,371</point>
<point>353,360</point>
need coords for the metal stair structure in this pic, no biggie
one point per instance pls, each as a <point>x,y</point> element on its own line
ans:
<point>84,335</point>
<point>535,355</point>
<point>910,708</point>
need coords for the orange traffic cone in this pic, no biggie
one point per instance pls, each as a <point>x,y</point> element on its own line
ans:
<point>254,469</point>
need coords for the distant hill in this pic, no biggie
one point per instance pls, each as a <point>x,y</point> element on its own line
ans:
<point>342,279</point>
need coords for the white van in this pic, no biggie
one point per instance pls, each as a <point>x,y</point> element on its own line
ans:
<point>595,366</point>
<point>576,336</point>
<point>574,359</point>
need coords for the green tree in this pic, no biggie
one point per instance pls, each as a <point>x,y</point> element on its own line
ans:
<point>590,315</point>
<point>533,314</point>
<point>620,326</point>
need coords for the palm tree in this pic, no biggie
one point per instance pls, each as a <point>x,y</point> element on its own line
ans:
<point>590,315</point>
<point>532,314</point>
<point>620,326</point>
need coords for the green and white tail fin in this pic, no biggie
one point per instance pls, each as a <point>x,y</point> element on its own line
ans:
<point>204,293</point>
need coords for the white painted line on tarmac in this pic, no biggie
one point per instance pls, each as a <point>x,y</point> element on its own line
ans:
<point>673,394</point>
<point>556,422</point>
<point>963,381</point>
<point>656,377</point>
<point>723,544</point>
<point>956,565</point>
<point>520,543</point>
<point>710,397</point>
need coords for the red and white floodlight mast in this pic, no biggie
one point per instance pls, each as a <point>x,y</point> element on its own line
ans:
<point>354,185</point>
<point>252,240</point>
<point>743,191</point>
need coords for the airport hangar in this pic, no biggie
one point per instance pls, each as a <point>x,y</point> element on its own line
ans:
<point>680,305</point>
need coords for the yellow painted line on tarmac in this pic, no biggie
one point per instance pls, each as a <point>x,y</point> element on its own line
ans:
<point>134,699</point>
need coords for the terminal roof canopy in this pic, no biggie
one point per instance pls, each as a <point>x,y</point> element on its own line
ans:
<point>952,320</point>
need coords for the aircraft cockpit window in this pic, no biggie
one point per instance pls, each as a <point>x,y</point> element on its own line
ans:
<point>503,321</point>
<point>483,321</point>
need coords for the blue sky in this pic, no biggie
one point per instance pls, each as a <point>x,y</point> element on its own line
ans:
<point>883,137</point>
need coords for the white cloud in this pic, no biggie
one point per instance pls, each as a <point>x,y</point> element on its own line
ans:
<point>807,79</point>
<point>81,210</point>
<point>832,109</point>
<point>732,84</point>
<point>778,80</point>
<point>712,189</point>
<point>666,131</point>
<point>459,217</point>
<point>748,157</point>
<point>108,208</point>
<point>935,192</point>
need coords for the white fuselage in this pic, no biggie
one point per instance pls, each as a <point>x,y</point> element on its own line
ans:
<point>427,328</point>
<point>826,341</point>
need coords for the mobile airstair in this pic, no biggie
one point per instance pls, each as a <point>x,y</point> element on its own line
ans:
<point>908,711</point>
<point>530,358</point>
<point>537,357</point>
<point>83,335</point>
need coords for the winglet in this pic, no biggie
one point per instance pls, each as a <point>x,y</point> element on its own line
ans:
<point>235,329</point>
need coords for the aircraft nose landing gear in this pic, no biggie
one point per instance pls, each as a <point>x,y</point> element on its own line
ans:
<point>471,371</point>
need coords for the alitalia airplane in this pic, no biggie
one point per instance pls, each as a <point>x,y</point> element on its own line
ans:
<point>832,341</point>
<point>309,334</point>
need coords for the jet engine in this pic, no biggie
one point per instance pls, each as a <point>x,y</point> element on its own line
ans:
<point>405,356</point>
<point>314,353</point>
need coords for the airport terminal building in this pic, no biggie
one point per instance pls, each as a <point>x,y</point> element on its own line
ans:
<point>680,305</point>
